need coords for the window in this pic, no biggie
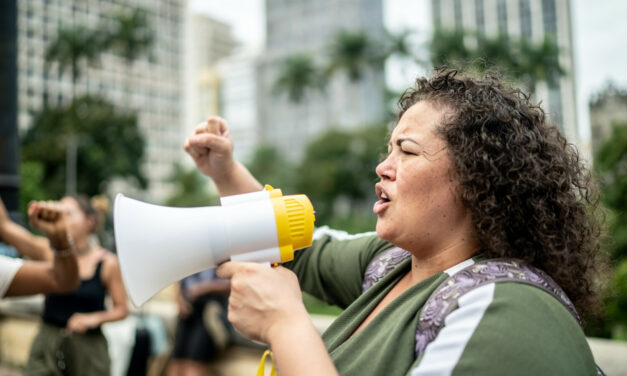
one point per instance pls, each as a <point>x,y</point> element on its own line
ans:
<point>549,18</point>
<point>479,17</point>
<point>501,10</point>
<point>524,9</point>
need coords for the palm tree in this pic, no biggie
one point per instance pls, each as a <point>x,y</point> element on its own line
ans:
<point>354,53</point>
<point>298,74</point>
<point>71,49</point>
<point>449,48</point>
<point>130,36</point>
<point>540,62</point>
<point>398,45</point>
<point>522,60</point>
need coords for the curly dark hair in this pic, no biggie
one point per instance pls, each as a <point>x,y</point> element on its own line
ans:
<point>529,194</point>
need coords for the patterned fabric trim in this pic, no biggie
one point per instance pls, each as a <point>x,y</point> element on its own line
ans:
<point>381,265</point>
<point>444,299</point>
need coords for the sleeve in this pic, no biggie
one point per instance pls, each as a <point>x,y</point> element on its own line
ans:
<point>8,268</point>
<point>333,268</point>
<point>507,328</point>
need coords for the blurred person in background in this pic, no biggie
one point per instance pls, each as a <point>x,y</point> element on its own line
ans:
<point>60,274</point>
<point>203,330</point>
<point>70,341</point>
<point>474,172</point>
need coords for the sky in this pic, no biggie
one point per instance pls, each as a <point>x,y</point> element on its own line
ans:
<point>599,36</point>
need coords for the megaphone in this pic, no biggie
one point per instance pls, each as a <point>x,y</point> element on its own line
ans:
<point>159,245</point>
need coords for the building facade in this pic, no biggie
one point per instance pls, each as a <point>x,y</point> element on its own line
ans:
<point>532,20</point>
<point>151,85</point>
<point>308,27</point>
<point>607,109</point>
<point>207,41</point>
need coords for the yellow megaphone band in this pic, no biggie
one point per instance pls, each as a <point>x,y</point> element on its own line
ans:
<point>294,217</point>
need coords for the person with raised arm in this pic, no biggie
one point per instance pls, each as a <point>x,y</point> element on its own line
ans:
<point>60,274</point>
<point>70,341</point>
<point>479,195</point>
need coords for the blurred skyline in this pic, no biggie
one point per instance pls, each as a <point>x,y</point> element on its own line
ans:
<point>599,32</point>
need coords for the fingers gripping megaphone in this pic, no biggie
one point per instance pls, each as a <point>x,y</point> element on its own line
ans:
<point>159,245</point>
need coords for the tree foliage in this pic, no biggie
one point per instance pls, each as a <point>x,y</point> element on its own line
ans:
<point>269,166</point>
<point>72,48</point>
<point>130,35</point>
<point>354,52</point>
<point>110,145</point>
<point>611,165</point>
<point>190,189</point>
<point>338,174</point>
<point>298,74</point>
<point>522,60</point>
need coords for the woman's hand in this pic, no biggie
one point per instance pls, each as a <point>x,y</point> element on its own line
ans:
<point>211,147</point>
<point>49,218</point>
<point>263,300</point>
<point>79,323</point>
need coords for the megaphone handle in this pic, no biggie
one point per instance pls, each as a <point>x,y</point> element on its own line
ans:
<point>261,371</point>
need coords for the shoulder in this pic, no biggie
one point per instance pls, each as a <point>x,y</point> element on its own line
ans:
<point>110,264</point>
<point>513,327</point>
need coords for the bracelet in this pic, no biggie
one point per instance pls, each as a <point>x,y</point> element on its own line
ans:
<point>65,252</point>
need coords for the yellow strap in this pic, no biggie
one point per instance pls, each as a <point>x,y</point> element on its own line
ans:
<point>262,364</point>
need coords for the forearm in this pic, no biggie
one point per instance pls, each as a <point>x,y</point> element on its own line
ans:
<point>27,244</point>
<point>238,180</point>
<point>43,277</point>
<point>114,314</point>
<point>299,350</point>
<point>65,273</point>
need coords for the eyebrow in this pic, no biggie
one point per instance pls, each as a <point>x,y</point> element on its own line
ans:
<point>400,141</point>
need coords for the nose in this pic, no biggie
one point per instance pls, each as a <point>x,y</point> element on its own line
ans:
<point>385,170</point>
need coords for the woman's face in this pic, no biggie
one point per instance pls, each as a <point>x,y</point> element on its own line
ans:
<point>418,209</point>
<point>79,225</point>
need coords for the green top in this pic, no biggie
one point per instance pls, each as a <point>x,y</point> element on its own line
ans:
<point>505,328</point>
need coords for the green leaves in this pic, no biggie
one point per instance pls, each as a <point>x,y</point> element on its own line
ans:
<point>297,75</point>
<point>109,145</point>
<point>190,189</point>
<point>337,173</point>
<point>518,58</point>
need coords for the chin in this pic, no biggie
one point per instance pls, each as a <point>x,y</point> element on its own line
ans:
<point>383,232</point>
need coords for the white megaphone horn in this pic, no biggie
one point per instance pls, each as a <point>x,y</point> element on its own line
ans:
<point>160,245</point>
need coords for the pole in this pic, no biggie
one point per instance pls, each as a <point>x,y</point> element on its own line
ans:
<point>9,143</point>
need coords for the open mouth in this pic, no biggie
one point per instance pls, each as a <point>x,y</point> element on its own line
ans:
<point>383,202</point>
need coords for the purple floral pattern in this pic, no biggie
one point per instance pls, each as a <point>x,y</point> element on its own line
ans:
<point>382,264</point>
<point>444,299</point>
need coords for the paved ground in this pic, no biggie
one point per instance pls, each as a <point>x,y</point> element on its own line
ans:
<point>611,356</point>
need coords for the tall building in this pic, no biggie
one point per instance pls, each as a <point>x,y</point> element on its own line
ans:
<point>530,19</point>
<point>301,26</point>
<point>207,41</point>
<point>151,86</point>
<point>607,108</point>
<point>238,102</point>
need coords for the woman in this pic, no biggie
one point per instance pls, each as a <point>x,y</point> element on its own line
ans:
<point>69,341</point>
<point>202,330</point>
<point>18,278</point>
<point>474,171</point>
